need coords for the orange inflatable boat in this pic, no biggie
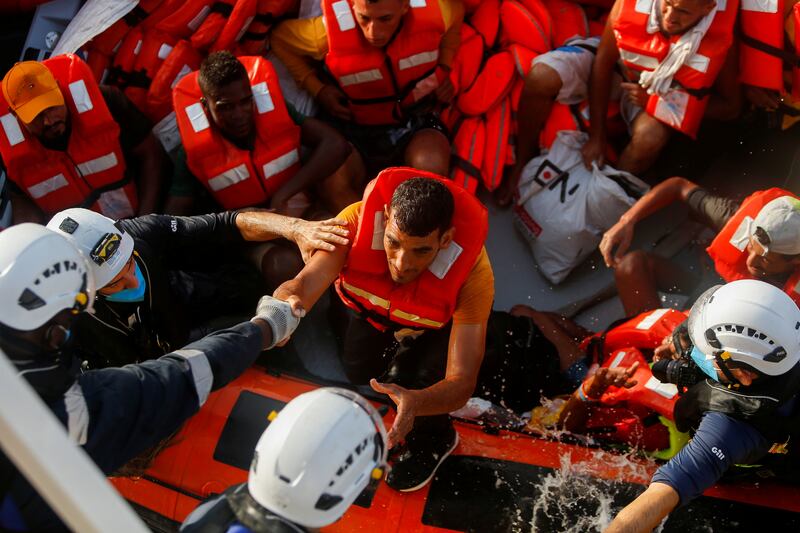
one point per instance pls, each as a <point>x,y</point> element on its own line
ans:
<point>496,480</point>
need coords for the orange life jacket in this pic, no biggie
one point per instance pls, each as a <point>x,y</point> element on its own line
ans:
<point>521,26</point>
<point>225,25</point>
<point>622,345</point>
<point>428,302</point>
<point>498,132</point>
<point>91,172</point>
<point>469,148</point>
<point>381,82</point>
<point>490,86</point>
<point>235,177</point>
<point>156,47</point>
<point>645,331</point>
<point>486,21</point>
<point>182,61</point>
<point>572,21</point>
<point>268,13</point>
<point>468,59</point>
<point>186,19</point>
<point>108,41</point>
<point>729,247</point>
<point>683,107</point>
<point>763,52</point>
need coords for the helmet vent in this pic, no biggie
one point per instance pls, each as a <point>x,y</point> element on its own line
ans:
<point>284,479</point>
<point>29,300</point>
<point>326,501</point>
<point>750,332</point>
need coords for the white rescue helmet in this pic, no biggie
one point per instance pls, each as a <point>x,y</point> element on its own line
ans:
<point>107,246</point>
<point>41,274</point>
<point>750,322</point>
<point>317,456</point>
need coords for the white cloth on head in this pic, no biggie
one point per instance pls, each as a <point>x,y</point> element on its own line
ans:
<point>659,81</point>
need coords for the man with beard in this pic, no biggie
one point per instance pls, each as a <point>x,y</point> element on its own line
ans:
<point>63,144</point>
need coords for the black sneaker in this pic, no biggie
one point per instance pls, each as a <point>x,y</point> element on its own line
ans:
<point>414,468</point>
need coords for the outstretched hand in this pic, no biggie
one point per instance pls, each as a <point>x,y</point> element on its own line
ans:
<point>618,377</point>
<point>313,235</point>
<point>406,402</point>
<point>281,318</point>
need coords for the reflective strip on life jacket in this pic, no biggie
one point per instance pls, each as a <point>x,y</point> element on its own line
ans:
<point>45,187</point>
<point>197,117</point>
<point>228,178</point>
<point>98,164</point>
<point>375,300</point>
<point>12,130</point>
<point>365,76</point>
<point>416,60</point>
<point>344,16</point>
<point>281,163</point>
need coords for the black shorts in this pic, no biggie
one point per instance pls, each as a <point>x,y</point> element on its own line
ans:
<point>520,365</point>
<point>385,146</point>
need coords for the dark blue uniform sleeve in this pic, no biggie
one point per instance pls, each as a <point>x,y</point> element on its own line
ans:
<point>117,413</point>
<point>134,407</point>
<point>719,443</point>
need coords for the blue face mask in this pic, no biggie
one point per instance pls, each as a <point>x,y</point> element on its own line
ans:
<point>130,295</point>
<point>706,365</point>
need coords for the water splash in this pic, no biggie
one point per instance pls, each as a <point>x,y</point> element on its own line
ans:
<point>572,500</point>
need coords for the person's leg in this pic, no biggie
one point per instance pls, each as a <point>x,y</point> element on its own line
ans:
<point>648,138</point>
<point>429,150</point>
<point>366,352</point>
<point>420,363</point>
<point>538,96</point>
<point>343,187</point>
<point>640,275</point>
<point>569,351</point>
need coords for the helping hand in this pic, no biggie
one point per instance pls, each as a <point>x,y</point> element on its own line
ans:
<point>607,377</point>
<point>406,410</point>
<point>313,235</point>
<point>281,318</point>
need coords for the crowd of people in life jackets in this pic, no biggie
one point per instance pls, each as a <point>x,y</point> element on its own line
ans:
<point>122,305</point>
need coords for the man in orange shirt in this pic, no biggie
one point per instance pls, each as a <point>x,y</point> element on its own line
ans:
<point>419,286</point>
<point>379,69</point>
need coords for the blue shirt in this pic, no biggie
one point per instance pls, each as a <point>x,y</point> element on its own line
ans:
<point>719,443</point>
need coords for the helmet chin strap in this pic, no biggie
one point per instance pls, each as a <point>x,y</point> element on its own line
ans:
<point>722,364</point>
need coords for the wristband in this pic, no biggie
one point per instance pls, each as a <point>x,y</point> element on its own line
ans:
<point>582,396</point>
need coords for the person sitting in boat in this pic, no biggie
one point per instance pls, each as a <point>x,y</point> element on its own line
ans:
<point>67,141</point>
<point>768,59</point>
<point>318,455</point>
<point>644,60</point>
<point>159,276</point>
<point>386,70</point>
<point>746,342</point>
<point>243,142</point>
<point>612,396</point>
<point>758,238</point>
<point>115,413</point>
<point>418,286</point>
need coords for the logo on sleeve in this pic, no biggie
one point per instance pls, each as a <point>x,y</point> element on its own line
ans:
<point>716,451</point>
